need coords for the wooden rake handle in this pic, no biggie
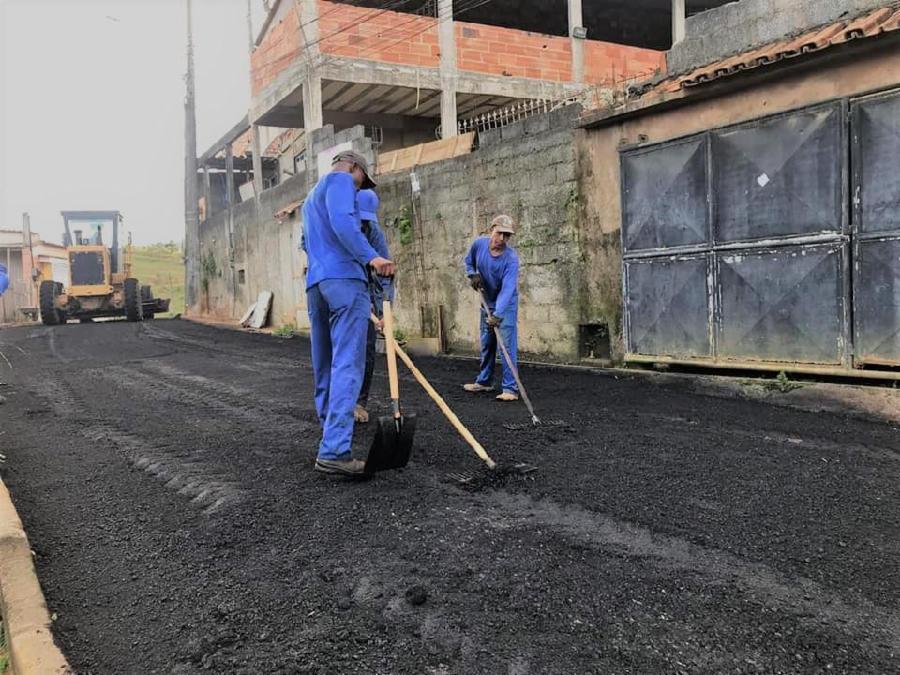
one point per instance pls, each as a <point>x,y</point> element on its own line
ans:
<point>442,405</point>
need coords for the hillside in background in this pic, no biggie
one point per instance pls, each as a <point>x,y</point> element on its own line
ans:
<point>161,266</point>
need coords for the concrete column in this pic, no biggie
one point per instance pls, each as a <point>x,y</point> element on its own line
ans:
<point>207,192</point>
<point>679,17</point>
<point>312,84</point>
<point>229,176</point>
<point>312,101</point>
<point>257,163</point>
<point>229,200</point>
<point>447,44</point>
<point>575,22</point>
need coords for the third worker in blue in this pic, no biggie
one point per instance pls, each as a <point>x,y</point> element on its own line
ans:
<point>493,270</point>
<point>338,303</point>
<point>381,289</point>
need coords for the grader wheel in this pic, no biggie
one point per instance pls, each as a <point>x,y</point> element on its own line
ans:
<point>133,305</point>
<point>47,295</point>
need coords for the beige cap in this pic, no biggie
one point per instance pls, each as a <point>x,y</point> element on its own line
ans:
<point>503,223</point>
<point>360,161</point>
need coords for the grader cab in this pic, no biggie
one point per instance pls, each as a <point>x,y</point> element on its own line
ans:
<point>101,283</point>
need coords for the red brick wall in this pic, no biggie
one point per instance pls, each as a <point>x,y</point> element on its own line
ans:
<point>504,51</point>
<point>393,37</point>
<point>378,35</point>
<point>276,52</point>
<point>606,62</point>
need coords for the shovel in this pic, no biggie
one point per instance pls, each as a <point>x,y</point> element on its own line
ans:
<point>394,434</point>
<point>464,478</point>
<point>512,366</point>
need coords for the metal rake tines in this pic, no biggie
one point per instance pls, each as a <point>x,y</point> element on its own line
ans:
<point>462,478</point>
<point>521,426</point>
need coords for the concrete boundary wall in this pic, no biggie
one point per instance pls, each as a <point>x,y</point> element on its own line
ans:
<point>266,254</point>
<point>530,170</point>
<point>738,26</point>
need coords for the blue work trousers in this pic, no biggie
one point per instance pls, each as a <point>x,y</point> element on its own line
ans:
<point>338,319</point>
<point>489,349</point>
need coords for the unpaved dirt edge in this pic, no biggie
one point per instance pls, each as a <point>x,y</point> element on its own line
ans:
<point>25,616</point>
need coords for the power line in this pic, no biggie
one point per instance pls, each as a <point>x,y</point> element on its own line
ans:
<point>473,4</point>
<point>307,45</point>
<point>369,18</point>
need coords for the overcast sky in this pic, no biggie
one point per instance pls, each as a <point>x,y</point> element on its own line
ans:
<point>92,106</point>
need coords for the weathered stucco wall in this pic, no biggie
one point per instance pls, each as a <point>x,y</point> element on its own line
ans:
<point>526,170</point>
<point>265,249</point>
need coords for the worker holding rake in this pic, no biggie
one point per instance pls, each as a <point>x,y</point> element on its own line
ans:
<point>338,303</point>
<point>493,270</point>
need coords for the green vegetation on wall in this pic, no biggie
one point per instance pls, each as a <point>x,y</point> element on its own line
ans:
<point>404,226</point>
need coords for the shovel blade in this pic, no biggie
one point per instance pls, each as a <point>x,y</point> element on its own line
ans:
<point>391,447</point>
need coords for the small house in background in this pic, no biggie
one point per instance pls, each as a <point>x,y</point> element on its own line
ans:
<point>19,303</point>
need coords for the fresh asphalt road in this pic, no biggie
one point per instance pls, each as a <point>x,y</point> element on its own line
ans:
<point>164,475</point>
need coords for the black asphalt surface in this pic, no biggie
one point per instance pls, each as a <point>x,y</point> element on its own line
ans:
<point>164,475</point>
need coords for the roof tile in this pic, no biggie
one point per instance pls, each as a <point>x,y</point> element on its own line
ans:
<point>876,22</point>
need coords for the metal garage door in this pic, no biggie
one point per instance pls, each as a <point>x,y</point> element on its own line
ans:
<point>736,242</point>
<point>876,219</point>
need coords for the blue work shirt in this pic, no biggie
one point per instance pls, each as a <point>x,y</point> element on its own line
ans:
<point>500,275</point>
<point>332,238</point>
<point>4,279</point>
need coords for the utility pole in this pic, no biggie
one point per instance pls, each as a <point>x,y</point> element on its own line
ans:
<point>33,272</point>
<point>250,25</point>
<point>191,214</point>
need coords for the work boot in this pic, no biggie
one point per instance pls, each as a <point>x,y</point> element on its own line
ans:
<point>508,396</point>
<point>342,467</point>
<point>360,414</point>
<point>475,387</point>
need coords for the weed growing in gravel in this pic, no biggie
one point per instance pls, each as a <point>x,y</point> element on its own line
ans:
<point>4,654</point>
<point>287,330</point>
<point>782,384</point>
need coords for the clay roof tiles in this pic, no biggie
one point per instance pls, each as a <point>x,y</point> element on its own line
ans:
<point>871,24</point>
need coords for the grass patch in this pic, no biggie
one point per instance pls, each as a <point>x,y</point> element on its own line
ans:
<point>782,384</point>
<point>287,330</point>
<point>161,266</point>
<point>4,652</point>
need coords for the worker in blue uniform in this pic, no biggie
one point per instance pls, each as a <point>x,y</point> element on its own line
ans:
<point>493,269</point>
<point>338,304</point>
<point>382,289</point>
<point>4,279</point>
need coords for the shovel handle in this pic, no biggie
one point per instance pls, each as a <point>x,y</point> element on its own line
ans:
<point>444,408</point>
<point>391,349</point>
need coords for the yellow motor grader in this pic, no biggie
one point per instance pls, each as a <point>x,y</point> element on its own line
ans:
<point>100,277</point>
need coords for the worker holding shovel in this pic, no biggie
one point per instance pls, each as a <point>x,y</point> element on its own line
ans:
<point>382,288</point>
<point>338,304</point>
<point>493,270</point>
